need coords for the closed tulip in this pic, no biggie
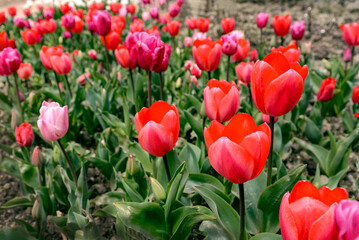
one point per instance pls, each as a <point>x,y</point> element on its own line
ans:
<point>26,12</point>
<point>112,40</point>
<point>173,27</point>
<point>298,30</point>
<point>4,42</point>
<point>82,78</point>
<point>239,150</point>
<point>244,71</point>
<point>346,219</point>
<point>9,61</point>
<point>137,26</point>
<point>49,13</point>
<point>36,158</point>
<point>24,135</point>
<point>207,54</point>
<point>355,96</point>
<point>165,18</point>
<point>30,36</point>
<point>262,20</point>
<point>53,121</point>
<point>131,44</point>
<point>92,54</point>
<point>191,23</point>
<point>350,33</point>
<point>115,7</point>
<point>228,24</point>
<point>46,53</point>
<point>229,44</point>
<point>188,41</point>
<point>308,212</point>
<point>154,13</point>
<point>221,100</point>
<point>12,43</point>
<point>158,128</point>
<point>65,8</point>
<point>281,24</point>
<point>20,22</point>
<point>49,26</point>
<point>11,11</point>
<point>203,24</point>
<point>102,23</point>
<point>347,55</point>
<point>174,9</point>
<point>62,63</point>
<point>242,50</point>
<point>326,90</point>
<point>291,52</point>
<point>24,71</point>
<point>124,58</point>
<point>2,17</point>
<point>131,8</point>
<point>277,84</point>
<point>253,55</point>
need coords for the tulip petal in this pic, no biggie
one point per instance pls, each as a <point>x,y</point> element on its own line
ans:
<point>239,127</point>
<point>47,130</point>
<point>171,121</point>
<point>62,122</point>
<point>212,100</point>
<point>278,61</point>
<point>288,226</point>
<point>213,133</point>
<point>332,196</point>
<point>304,189</point>
<point>229,105</point>
<point>324,227</point>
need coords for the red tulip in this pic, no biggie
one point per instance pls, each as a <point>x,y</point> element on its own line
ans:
<point>12,11</point>
<point>165,18</point>
<point>82,78</point>
<point>228,24</point>
<point>291,52</point>
<point>92,54</point>
<point>26,11</point>
<point>355,96</point>
<point>124,58</point>
<point>207,54</point>
<point>65,8</point>
<point>191,23</point>
<point>203,24</point>
<point>46,53</point>
<point>115,7</point>
<point>24,135</point>
<point>12,43</point>
<point>153,30</point>
<point>244,71</point>
<point>158,128</point>
<point>3,40</point>
<point>350,33</point>
<point>326,90</point>
<point>239,150</point>
<point>253,55</point>
<point>242,50</point>
<point>131,8</point>
<point>221,100</point>
<point>112,40</point>
<point>30,36</point>
<point>118,23</point>
<point>79,25</point>
<point>25,70</point>
<point>195,71</point>
<point>281,24</point>
<point>2,17</point>
<point>308,213</point>
<point>61,63</point>
<point>136,26</point>
<point>79,13</point>
<point>173,27</point>
<point>49,26</point>
<point>277,84</point>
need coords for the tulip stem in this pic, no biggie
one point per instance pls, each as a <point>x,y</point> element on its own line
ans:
<point>270,160</point>
<point>149,93</point>
<point>107,62</point>
<point>8,85</point>
<point>41,176</point>
<point>167,168</point>
<point>352,60</point>
<point>281,41</point>
<point>68,85</point>
<point>161,86</point>
<point>228,65</point>
<point>57,83</point>
<point>261,37</point>
<point>209,75</point>
<point>18,96</point>
<point>241,211</point>
<point>250,95</point>
<point>133,87</point>
<point>73,173</point>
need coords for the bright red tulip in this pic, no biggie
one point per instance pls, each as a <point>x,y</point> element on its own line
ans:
<point>281,24</point>
<point>153,30</point>
<point>78,26</point>
<point>277,84</point>
<point>112,40</point>
<point>242,50</point>
<point>2,17</point>
<point>24,135</point>
<point>350,33</point>
<point>65,8</point>
<point>46,53</point>
<point>326,90</point>
<point>118,23</point>
<point>124,58</point>
<point>131,8</point>
<point>253,55</point>
<point>173,27</point>
<point>221,100</point>
<point>244,71</point>
<point>207,54</point>
<point>308,214</point>
<point>49,26</point>
<point>203,24</point>
<point>24,71</point>
<point>355,96</point>
<point>291,52</point>
<point>115,7</point>
<point>12,11</point>
<point>158,128</point>
<point>191,23</point>
<point>228,24</point>
<point>62,63</point>
<point>3,40</point>
<point>239,150</point>
<point>26,11</point>
<point>165,18</point>
<point>78,12</point>
<point>12,43</point>
<point>30,36</point>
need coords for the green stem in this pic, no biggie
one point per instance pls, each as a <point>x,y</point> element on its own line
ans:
<point>39,176</point>
<point>281,41</point>
<point>161,86</point>
<point>352,60</point>
<point>73,173</point>
<point>241,211</point>
<point>270,160</point>
<point>68,85</point>
<point>8,85</point>
<point>250,95</point>
<point>261,37</point>
<point>57,83</point>
<point>133,87</point>
<point>209,75</point>
<point>228,65</point>
<point>107,62</point>
<point>149,91</point>
<point>18,96</point>
<point>167,168</point>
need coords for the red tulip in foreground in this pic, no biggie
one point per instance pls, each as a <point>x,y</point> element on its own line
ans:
<point>158,128</point>
<point>277,84</point>
<point>291,52</point>
<point>24,135</point>
<point>281,24</point>
<point>308,214</point>
<point>207,54</point>
<point>347,219</point>
<point>326,90</point>
<point>221,100</point>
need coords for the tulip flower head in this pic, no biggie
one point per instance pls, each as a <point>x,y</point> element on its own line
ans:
<point>239,150</point>
<point>262,20</point>
<point>281,24</point>
<point>308,212</point>
<point>154,13</point>
<point>102,23</point>
<point>253,55</point>
<point>24,135</point>
<point>9,61</point>
<point>158,128</point>
<point>173,27</point>
<point>124,58</point>
<point>326,90</point>
<point>230,45</point>
<point>244,71</point>
<point>228,24</point>
<point>174,9</point>
<point>346,219</point>
<point>203,24</point>
<point>24,71</point>
<point>350,33</point>
<point>191,23</point>
<point>46,53</point>
<point>242,50</point>
<point>61,63</point>
<point>30,36</point>
<point>291,52</point>
<point>297,30</point>
<point>347,55</point>
<point>4,41</point>
<point>188,41</point>
<point>355,96</point>
<point>207,54</point>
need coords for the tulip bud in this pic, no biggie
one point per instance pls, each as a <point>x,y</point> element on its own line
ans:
<point>132,167</point>
<point>158,190</point>
<point>347,55</point>
<point>14,120</point>
<point>327,64</point>
<point>21,96</point>
<point>36,158</point>
<point>178,82</point>
<point>36,209</point>
<point>187,41</point>
<point>194,80</point>
<point>67,34</point>
<point>203,110</point>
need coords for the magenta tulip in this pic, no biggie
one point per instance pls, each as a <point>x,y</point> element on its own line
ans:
<point>9,61</point>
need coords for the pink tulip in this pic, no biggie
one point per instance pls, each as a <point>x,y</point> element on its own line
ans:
<point>154,13</point>
<point>9,61</point>
<point>123,12</point>
<point>297,30</point>
<point>347,219</point>
<point>68,21</point>
<point>102,23</point>
<point>195,70</point>
<point>347,55</point>
<point>53,121</point>
<point>238,34</point>
<point>62,64</point>
<point>244,71</point>
<point>49,13</point>
<point>194,80</point>
<point>262,20</point>
<point>145,16</point>
<point>253,55</point>
<point>82,78</point>
<point>174,9</point>
<point>187,41</point>
<point>229,46</point>
<point>92,54</point>
<point>24,71</point>
<point>188,64</point>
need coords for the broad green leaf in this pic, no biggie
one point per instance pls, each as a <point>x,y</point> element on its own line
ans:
<point>267,236</point>
<point>214,230</point>
<point>131,191</point>
<point>191,155</point>
<point>312,131</point>
<point>195,124</point>
<point>334,180</point>
<point>15,234</point>
<point>195,102</point>
<point>141,156</point>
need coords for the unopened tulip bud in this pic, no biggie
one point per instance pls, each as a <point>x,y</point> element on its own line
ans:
<point>158,190</point>
<point>194,80</point>
<point>178,82</point>
<point>99,67</point>
<point>347,55</point>
<point>132,167</point>
<point>36,158</point>
<point>67,35</point>
<point>119,76</point>
<point>36,209</point>
<point>327,64</point>
<point>21,96</point>
<point>14,120</point>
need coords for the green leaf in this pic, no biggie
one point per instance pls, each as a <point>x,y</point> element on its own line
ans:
<point>334,180</point>
<point>147,218</point>
<point>185,218</point>
<point>191,155</point>
<point>141,156</point>
<point>15,233</point>
<point>214,230</point>
<point>18,202</point>
<point>312,131</point>
<point>267,236</point>
<point>225,214</point>
<point>196,126</point>
<point>131,191</point>
<point>195,102</point>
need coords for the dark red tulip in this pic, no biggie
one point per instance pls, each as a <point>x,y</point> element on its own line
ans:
<point>24,135</point>
<point>326,90</point>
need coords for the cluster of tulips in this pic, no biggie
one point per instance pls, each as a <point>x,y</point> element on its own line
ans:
<point>227,132</point>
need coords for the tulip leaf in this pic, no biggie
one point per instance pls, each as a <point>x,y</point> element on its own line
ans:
<point>191,155</point>
<point>312,131</point>
<point>334,180</point>
<point>141,156</point>
<point>196,179</point>
<point>214,230</point>
<point>18,202</point>
<point>225,214</point>
<point>270,199</point>
<point>197,127</point>
<point>131,191</point>
<point>195,102</point>
<point>267,236</point>
<point>15,233</point>
<point>185,218</point>
<point>146,218</point>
